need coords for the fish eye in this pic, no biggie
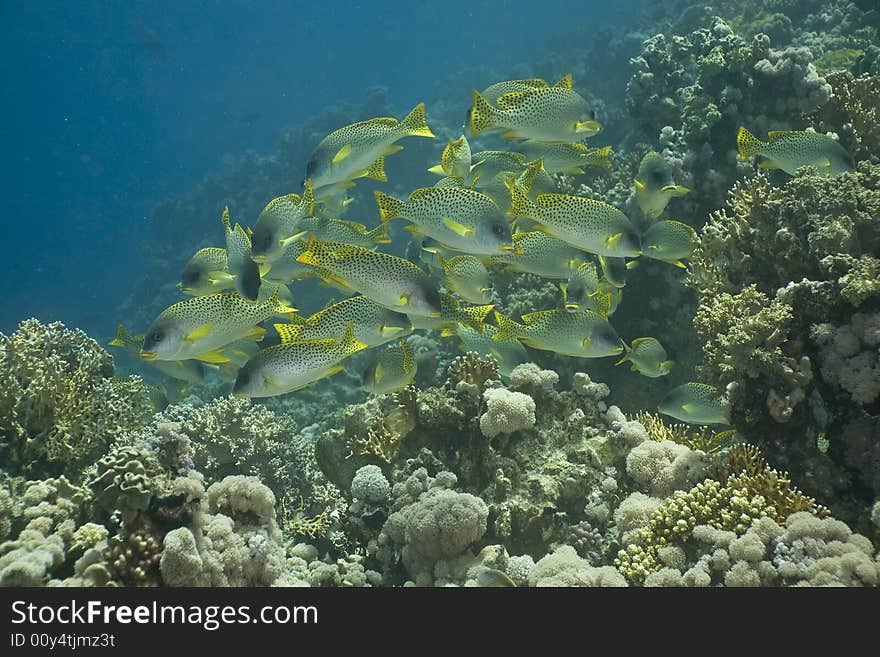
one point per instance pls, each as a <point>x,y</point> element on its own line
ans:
<point>311,165</point>
<point>498,229</point>
<point>157,336</point>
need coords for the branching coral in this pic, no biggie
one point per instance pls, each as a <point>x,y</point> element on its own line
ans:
<point>60,405</point>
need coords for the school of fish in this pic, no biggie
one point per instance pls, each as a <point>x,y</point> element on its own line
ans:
<point>491,210</point>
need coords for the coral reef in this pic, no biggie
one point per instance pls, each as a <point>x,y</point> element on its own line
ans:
<point>60,404</point>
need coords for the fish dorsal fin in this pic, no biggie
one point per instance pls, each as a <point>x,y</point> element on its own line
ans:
<point>579,149</point>
<point>224,217</point>
<point>774,135</point>
<point>199,333</point>
<point>512,99</point>
<point>457,227</point>
<point>548,200</point>
<point>565,83</point>
<point>342,154</point>
<point>416,194</point>
<point>349,343</point>
<point>386,121</point>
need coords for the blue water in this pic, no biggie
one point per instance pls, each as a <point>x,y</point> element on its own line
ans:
<point>110,108</point>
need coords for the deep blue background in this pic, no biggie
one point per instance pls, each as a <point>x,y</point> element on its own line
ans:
<point>108,108</point>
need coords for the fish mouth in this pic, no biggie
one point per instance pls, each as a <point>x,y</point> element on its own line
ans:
<point>148,355</point>
<point>187,290</point>
<point>509,248</point>
<point>258,258</point>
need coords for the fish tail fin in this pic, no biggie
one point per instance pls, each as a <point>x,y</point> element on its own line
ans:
<point>288,333</point>
<point>350,344</point>
<point>565,83</point>
<point>603,157</point>
<point>389,207</point>
<point>409,356</point>
<point>507,328</point>
<point>308,198</point>
<point>278,306</point>
<point>747,144</point>
<point>415,124</point>
<point>520,205</point>
<point>314,254</point>
<point>527,178</point>
<point>123,337</point>
<point>476,316</point>
<point>482,114</point>
<point>379,234</point>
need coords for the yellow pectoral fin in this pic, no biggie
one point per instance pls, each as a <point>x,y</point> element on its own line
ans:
<point>768,164</point>
<point>437,169</point>
<point>402,301</point>
<point>256,333</point>
<point>341,154</point>
<point>212,357</point>
<point>199,333</point>
<point>394,148</point>
<point>331,371</point>
<point>587,341</point>
<point>613,239</point>
<point>457,227</point>
<point>587,126</point>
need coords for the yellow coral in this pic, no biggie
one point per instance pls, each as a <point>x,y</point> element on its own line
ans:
<point>701,438</point>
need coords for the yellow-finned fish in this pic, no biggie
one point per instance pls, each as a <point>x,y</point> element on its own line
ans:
<point>239,262</point>
<point>205,273</point>
<point>791,149</point>
<point>452,313</point>
<point>394,368</point>
<point>655,185</point>
<point>584,223</point>
<point>199,327</point>
<point>567,158</point>
<point>390,281</point>
<point>291,366</point>
<point>583,334</point>
<point>488,165</point>
<point>669,241</point>
<point>460,219</point>
<point>278,222</point>
<point>467,276</point>
<point>191,371</point>
<point>552,114</point>
<point>373,324</point>
<point>647,357</point>
<point>541,254</point>
<point>494,168</point>
<point>286,268</point>
<point>455,161</point>
<point>507,353</point>
<point>359,150</point>
<point>695,403</point>
<point>343,231</point>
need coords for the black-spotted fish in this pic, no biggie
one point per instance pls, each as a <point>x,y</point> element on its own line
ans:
<point>695,403</point>
<point>488,165</point>
<point>647,357</point>
<point>239,262</point>
<point>584,223</point>
<point>583,334</point>
<point>460,219</point>
<point>669,241</point>
<point>551,114</point>
<point>655,185</point>
<point>191,371</point>
<point>286,268</point>
<point>199,327</point>
<point>390,281</point>
<point>205,273</point>
<point>791,149</point>
<point>292,366</point>
<point>359,150</point>
<point>373,324</point>
<point>507,353</point>
<point>343,231</point>
<point>394,368</point>
<point>452,313</point>
<point>455,161</point>
<point>278,222</point>
<point>567,158</point>
<point>467,276</point>
<point>541,254</point>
